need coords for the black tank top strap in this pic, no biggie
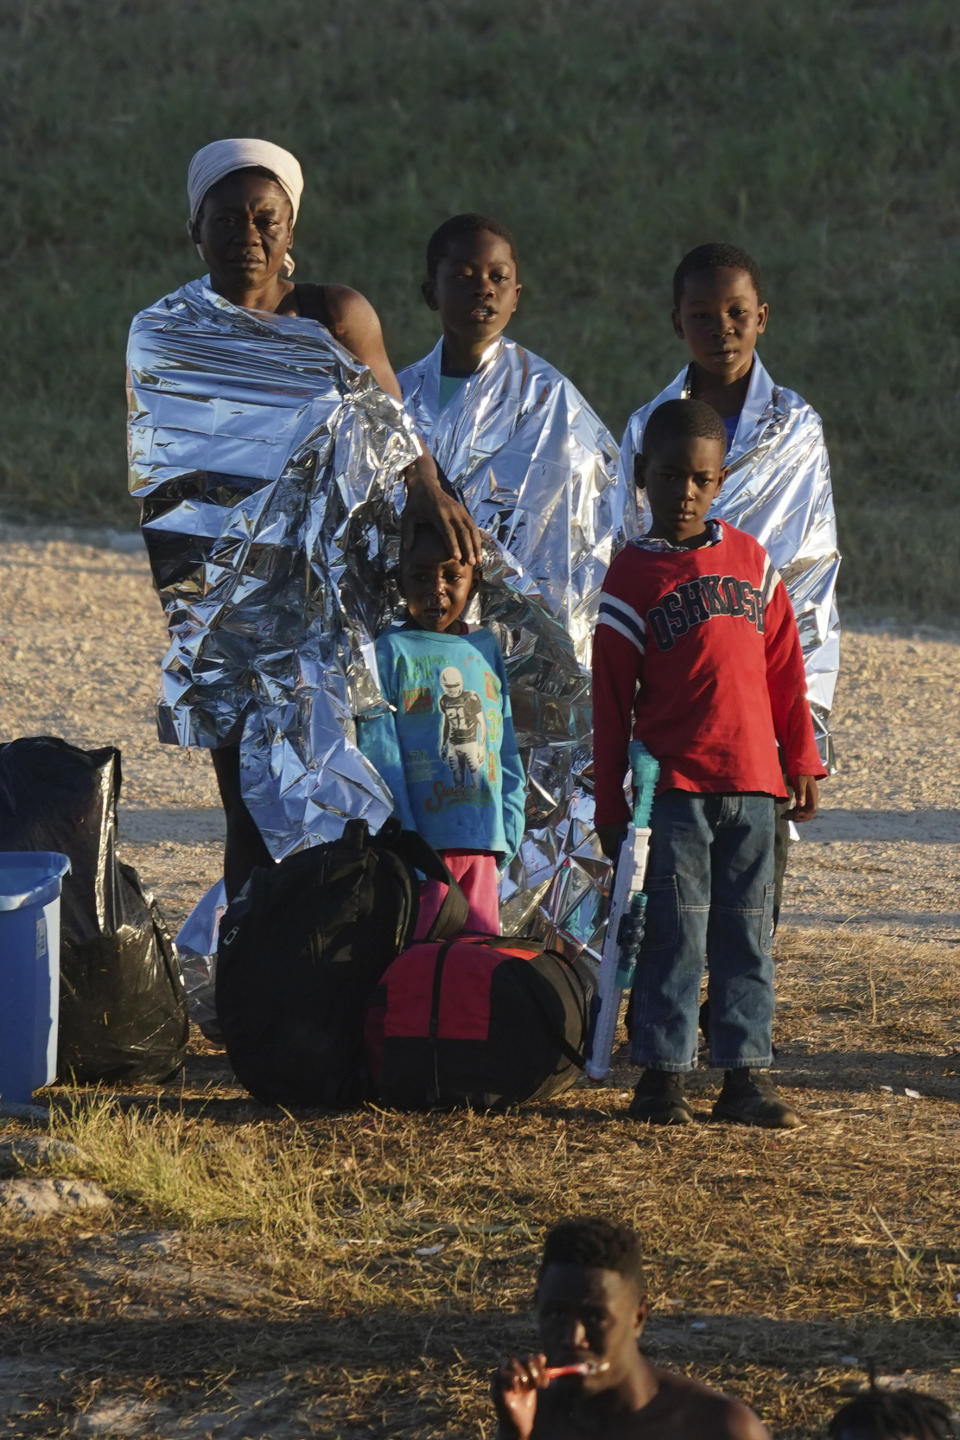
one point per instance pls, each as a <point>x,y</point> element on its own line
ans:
<point>312,302</point>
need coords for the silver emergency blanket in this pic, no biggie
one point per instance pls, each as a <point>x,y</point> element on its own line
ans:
<point>265,458</point>
<point>778,490</point>
<point>196,943</point>
<point>536,468</point>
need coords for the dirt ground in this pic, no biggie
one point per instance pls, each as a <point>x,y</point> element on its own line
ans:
<point>83,636</point>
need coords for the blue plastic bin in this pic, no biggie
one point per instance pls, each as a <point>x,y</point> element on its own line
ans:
<point>29,970</point>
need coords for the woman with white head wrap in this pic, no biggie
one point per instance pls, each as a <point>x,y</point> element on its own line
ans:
<point>222,158</point>
<point>244,197</point>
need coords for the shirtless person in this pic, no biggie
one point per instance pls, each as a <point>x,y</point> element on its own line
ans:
<point>591,1313</point>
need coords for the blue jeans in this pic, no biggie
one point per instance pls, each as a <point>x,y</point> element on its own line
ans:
<point>709,893</point>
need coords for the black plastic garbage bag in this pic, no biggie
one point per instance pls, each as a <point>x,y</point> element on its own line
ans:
<point>123,1013</point>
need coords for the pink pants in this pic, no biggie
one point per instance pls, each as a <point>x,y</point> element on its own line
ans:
<point>476,872</point>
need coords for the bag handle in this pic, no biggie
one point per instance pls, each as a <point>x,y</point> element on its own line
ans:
<point>417,853</point>
<point>452,915</point>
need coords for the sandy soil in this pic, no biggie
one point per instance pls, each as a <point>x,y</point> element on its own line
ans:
<point>83,634</point>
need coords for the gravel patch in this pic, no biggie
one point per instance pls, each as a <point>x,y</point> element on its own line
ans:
<point>83,634</point>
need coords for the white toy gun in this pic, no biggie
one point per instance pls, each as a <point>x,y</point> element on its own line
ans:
<point>621,944</point>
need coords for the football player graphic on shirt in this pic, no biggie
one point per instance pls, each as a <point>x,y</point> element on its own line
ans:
<point>463,732</point>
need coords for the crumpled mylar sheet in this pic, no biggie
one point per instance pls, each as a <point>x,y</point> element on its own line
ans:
<point>196,944</point>
<point>536,468</point>
<point>267,462</point>
<point>264,457</point>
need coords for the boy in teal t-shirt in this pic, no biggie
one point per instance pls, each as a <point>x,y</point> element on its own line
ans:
<point>447,749</point>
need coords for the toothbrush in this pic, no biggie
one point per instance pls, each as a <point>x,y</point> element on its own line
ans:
<point>585,1367</point>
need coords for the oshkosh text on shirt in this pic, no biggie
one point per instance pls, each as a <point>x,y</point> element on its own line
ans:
<point>702,599</point>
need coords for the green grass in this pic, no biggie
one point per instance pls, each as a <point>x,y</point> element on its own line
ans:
<point>610,137</point>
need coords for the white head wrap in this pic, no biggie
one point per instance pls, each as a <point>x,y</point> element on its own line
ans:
<point>222,157</point>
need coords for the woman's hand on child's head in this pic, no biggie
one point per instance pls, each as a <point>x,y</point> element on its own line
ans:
<point>429,504</point>
<point>805,798</point>
<point>611,837</point>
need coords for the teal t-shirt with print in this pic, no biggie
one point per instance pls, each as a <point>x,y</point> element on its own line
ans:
<point>448,751</point>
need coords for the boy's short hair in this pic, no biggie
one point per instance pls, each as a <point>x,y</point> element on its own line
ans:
<point>715,256</point>
<point>894,1415</point>
<point>596,1244</point>
<point>422,530</point>
<point>467,224</point>
<point>683,419</point>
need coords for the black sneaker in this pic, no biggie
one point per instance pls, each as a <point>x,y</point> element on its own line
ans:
<point>749,1097</point>
<point>659,1099</point>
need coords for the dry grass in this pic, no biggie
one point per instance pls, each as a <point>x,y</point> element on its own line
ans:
<point>361,1274</point>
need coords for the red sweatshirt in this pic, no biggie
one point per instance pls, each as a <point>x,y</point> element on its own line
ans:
<point>697,652</point>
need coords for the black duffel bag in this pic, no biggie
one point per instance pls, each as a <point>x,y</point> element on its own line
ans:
<point>301,950</point>
<point>479,1021</point>
<point>123,1010</point>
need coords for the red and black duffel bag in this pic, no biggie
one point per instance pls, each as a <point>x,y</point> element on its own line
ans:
<point>480,1021</point>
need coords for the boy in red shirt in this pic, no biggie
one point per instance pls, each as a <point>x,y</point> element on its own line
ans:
<point>696,653</point>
